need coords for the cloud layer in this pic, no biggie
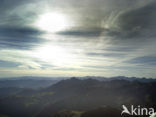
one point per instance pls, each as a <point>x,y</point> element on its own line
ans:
<point>107,38</point>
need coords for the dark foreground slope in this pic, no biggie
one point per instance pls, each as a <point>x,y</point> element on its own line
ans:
<point>79,98</point>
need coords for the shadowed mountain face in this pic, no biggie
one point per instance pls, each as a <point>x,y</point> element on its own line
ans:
<point>80,98</point>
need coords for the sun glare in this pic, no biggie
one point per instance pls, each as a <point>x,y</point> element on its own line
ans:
<point>54,55</point>
<point>52,22</point>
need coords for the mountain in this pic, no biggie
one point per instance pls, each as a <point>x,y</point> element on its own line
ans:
<point>28,82</point>
<point>77,97</point>
<point>76,94</point>
<point>145,80</point>
<point>41,82</point>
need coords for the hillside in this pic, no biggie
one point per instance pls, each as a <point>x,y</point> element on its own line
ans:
<point>80,96</point>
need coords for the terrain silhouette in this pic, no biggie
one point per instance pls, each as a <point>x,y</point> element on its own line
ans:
<point>79,98</point>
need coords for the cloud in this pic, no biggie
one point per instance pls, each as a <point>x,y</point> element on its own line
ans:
<point>8,64</point>
<point>19,37</point>
<point>144,60</point>
<point>109,55</point>
<point>108,36</point>
<point>82,32</point>
<point>7,5</point>
<point>120,49</point>
<point>19,31</point>
<point>127,26</point>
<point>139,22</point>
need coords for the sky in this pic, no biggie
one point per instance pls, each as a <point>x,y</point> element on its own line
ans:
<point>78,38</point>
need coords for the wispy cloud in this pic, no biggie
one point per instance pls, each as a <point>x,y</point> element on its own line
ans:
<point>108,37</point>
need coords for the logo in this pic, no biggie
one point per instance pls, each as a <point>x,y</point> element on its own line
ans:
<point>137,111</point>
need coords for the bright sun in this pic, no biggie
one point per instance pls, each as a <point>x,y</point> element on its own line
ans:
<point>52,22</point>
<point>54,54</point>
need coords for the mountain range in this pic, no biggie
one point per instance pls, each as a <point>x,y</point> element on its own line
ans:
<point>78,97</point>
